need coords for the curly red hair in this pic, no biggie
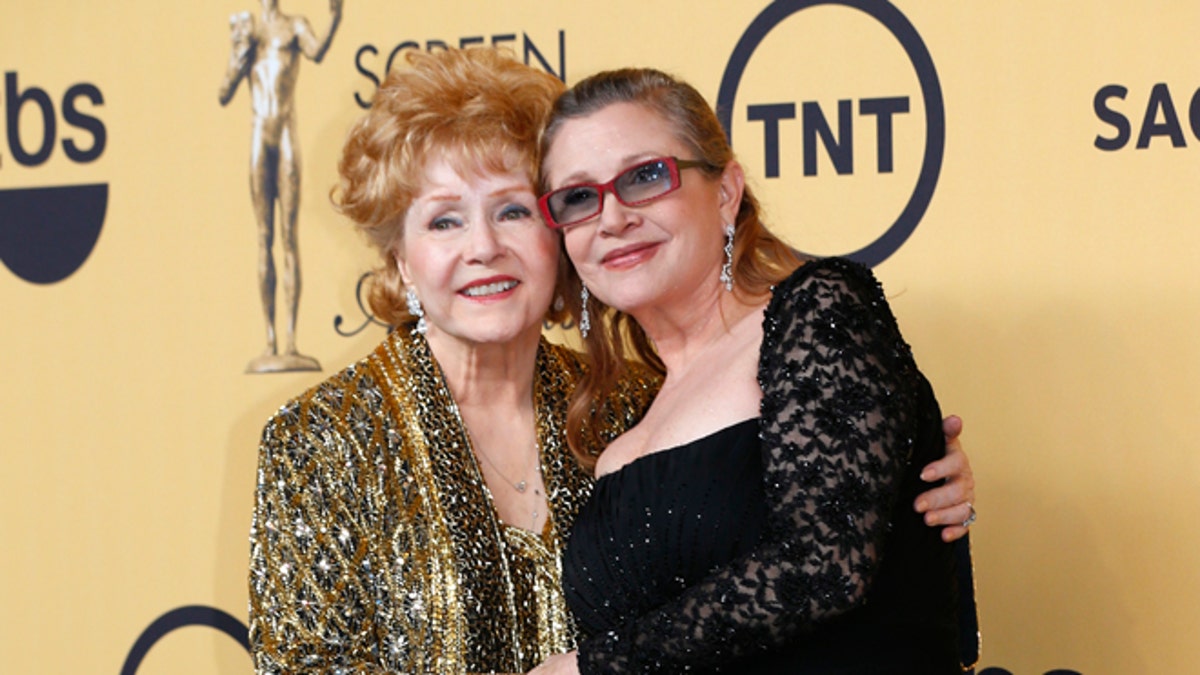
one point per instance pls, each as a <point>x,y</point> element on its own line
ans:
<point>479,108</point>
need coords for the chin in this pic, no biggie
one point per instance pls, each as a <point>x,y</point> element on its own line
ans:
<point>498,332</point>
<point>629,301</point>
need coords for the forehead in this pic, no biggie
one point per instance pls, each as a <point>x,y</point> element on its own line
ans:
<point>463,172</point>
<point>470,155</point>
<point>609,140</point>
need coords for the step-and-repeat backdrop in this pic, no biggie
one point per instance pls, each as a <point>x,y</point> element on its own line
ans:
<point>1024,176</point>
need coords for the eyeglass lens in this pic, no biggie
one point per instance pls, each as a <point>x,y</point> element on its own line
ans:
<point>634,186</point>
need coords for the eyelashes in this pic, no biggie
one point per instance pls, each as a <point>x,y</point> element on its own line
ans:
<point>457,215</point>
<point>515,212</point>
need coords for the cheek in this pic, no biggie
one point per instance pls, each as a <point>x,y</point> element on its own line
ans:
<point>548,268</point>
<point>540,250</point>
<point>576,244</point>
<point>427,266</point>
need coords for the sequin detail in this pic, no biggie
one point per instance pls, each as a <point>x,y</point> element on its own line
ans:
<point>374,547</point>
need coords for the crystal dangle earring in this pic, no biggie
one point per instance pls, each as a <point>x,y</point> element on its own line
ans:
<point>414,308</point>
<point>585,322</point>
<point>727,268</point>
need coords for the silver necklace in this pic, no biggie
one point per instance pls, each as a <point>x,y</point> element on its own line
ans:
<point>520,486</point>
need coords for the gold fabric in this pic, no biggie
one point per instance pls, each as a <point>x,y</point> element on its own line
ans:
<point>375,547</point>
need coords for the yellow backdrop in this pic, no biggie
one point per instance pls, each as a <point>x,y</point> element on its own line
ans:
<point>1049,288</point>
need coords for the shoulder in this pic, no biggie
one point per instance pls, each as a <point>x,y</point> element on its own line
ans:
<point>639,376</point>
<point>344,426</point>
<point>322,407</point>
<point>635,390</point>
<point>630,397</point>
<point>299,23</point>
<point>830,301</point>
<point>637,379</point>
<point>828,290</point>
<point>825,279</point>
<point>243,23</point>
<point>562,357</point>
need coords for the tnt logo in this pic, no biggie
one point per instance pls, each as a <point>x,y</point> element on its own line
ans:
<point>837,106</point>
<point>46,233</point>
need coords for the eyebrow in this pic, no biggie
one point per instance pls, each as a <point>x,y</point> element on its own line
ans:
<point>627,162</point>
<point>444,198</point>
<point>504,190</point>
<point>514,188</point>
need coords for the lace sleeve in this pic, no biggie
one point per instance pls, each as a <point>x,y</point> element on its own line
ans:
<point>838,385</point>
<point>312,602</point>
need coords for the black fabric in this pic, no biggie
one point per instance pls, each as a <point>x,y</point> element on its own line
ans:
<point>703,505</point>
<point>843,576</point>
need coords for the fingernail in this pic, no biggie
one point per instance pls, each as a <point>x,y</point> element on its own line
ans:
<point>922,506</point>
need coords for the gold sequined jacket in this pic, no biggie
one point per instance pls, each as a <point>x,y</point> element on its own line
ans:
<point>375,547</point>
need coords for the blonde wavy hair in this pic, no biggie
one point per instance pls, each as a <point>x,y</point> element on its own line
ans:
<point>478,108</point>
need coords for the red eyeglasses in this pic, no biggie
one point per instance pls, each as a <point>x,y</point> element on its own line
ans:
<point>639,184</point>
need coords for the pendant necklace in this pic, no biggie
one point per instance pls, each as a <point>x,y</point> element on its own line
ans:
<point>520,486</point>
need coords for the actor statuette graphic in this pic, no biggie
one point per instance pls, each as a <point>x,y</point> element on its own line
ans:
<point>266,52</point>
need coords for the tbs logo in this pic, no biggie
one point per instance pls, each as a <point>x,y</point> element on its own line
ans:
<point>47,232</point>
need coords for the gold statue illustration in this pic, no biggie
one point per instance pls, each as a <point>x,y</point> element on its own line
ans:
<point>266,51</point>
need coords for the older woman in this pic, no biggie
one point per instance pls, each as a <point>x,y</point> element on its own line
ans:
<point>757,518</point>
<point>409,509</point>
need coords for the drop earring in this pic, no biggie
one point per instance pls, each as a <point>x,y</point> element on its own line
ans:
<point>414,308</point>
<point>727,268</point>
<point>585,321</point>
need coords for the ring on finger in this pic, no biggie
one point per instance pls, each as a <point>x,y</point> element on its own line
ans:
<point>971,518</point>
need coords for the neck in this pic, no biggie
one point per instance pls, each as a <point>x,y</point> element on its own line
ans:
<point>680,330</point>
<point>487,373</point>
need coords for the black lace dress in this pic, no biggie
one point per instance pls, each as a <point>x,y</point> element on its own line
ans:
<point>787,543</point>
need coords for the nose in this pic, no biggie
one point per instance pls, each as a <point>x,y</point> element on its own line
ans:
<point>482,244</point>
<point>614,217</point>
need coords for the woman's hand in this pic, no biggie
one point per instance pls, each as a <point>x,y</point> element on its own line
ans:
<point>559,664</point>
<point>949,504</point>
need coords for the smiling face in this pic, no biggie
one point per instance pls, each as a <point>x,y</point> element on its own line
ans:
<point>478,256</point>
<point>645,256</point>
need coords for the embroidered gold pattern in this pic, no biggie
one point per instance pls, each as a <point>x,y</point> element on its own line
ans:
<point>374,544</point>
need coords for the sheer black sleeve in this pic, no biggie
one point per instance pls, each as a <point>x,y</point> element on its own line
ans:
<point>839,400</point>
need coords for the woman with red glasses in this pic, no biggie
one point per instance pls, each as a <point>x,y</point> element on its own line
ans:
<point>757,518</point>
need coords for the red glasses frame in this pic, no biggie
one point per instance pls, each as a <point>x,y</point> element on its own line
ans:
<point>674,166</point>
